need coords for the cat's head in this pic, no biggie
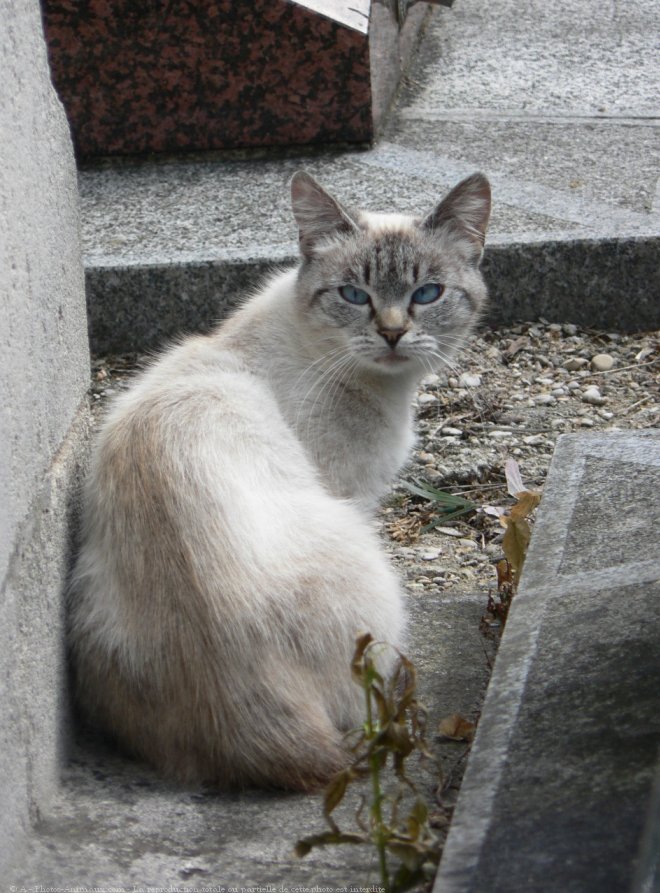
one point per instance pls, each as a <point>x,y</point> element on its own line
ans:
<point>397,293</point>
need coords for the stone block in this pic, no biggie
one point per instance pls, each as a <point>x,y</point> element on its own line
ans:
<point>44,375</point>
<point>138,78</point>
<point>35,732</point>
<point>44,357</point>
<point>557,797</point>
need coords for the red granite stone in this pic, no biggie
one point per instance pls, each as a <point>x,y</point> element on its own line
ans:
<point>144,76</point>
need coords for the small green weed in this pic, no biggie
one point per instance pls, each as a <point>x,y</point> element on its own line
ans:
<point>392,732</point>
<point>446,506</point>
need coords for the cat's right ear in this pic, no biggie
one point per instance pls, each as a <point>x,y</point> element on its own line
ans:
<point>317,213</point>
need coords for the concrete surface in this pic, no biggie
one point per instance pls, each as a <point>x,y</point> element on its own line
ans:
<point>558,793</point>
<point>45,364</point>
<point>44,375</point>
<point>557,103</point>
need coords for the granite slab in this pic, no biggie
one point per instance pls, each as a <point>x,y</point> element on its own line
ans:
<point>558,796</point>
<point>141,78</point>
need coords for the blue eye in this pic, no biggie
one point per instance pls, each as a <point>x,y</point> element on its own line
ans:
<point>354,295</point>
<point>427,294</point>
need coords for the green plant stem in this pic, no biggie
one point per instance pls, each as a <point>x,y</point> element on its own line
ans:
<point>376,810</point>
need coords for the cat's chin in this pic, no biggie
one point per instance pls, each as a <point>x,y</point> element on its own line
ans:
<point>393,364</point>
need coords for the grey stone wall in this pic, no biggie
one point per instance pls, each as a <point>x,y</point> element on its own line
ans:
<point>44,374</point>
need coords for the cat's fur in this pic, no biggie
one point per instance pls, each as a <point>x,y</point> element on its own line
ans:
<point>228,559</point>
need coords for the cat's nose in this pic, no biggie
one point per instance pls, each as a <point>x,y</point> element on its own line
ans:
<point>392,324</point>
<point>392,336</point>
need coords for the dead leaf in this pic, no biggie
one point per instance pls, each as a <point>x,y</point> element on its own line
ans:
<point>515,346</point>
<point>457,728</point>
<point>527,502</point>
<point>504,574</point>
<point>515,542</point>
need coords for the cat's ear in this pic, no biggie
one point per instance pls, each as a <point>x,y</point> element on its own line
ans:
<point>317,213</point>
<point>465,211</point>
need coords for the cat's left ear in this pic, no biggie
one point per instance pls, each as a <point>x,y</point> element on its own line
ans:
<point>317,213</point>
<point>465,211</point>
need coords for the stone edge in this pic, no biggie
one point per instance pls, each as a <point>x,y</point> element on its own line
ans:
<point>471,821</point>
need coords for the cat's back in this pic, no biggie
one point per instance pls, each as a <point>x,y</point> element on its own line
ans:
<point>196,422</point>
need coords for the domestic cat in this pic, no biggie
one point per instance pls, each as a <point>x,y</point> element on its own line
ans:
<point>229,558</point>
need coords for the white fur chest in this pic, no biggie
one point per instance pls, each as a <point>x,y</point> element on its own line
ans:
<point>358,437</point>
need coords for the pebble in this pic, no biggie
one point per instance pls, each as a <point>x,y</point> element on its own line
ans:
<point>467,380</point>
<point>593,396</point>
<point>427,399</point>
<point>558,392</point>
<point>451,432</point>
<point>569,328</point>
<point>586,423</point>
<point>430,555</point>
<point>544,399</point>
<point>468,544</point>
<point>576,363</point>
<point>533,439</point>
<point>602,362</point>
<point>448,531</point>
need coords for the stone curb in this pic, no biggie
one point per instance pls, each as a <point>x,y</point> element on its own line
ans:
<point>611,283</point>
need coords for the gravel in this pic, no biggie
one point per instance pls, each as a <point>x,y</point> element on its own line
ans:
<point>536,382</point>
<point>510,395</point>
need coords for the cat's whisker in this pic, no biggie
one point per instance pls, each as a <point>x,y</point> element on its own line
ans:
<point>310,372</point>
<point>323,383</point>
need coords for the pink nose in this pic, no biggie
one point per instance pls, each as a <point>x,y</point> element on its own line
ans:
<point>392,336</point>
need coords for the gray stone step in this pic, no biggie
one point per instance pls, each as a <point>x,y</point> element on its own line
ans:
<point>557,103</point>
<point>558,793</point>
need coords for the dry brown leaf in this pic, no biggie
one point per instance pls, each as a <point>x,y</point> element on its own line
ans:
<point>515,542</point>
<point>457,728</point>
<point>504,574</point>
<point>527,502</point>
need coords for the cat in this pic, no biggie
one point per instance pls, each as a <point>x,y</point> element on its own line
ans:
<point>229,558</point>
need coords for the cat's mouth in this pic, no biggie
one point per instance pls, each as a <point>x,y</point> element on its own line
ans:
<point>391,357</point>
